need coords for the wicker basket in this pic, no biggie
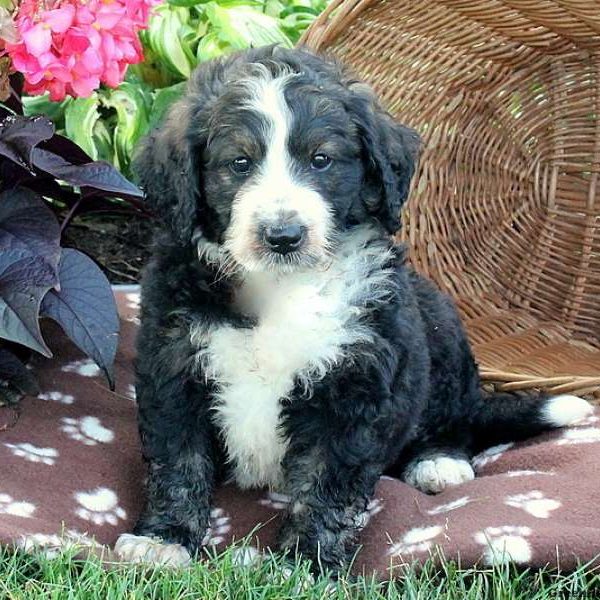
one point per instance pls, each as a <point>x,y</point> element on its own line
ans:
<point>505,211</point>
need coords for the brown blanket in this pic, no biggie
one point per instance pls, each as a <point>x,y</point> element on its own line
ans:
<point>71,472</point>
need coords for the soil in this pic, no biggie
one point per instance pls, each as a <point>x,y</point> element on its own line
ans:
<point>120,244</point>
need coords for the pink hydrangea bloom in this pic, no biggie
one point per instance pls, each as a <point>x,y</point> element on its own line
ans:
<point>70,47</point>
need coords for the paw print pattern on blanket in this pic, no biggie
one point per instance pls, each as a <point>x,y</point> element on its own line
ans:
<point>52,545</point>
<point>490,455</point>
<point>57,397</point>
<point>33,453</point>
<point>419,539</point>
<point>504,544</point>
<point>100,506</point>
<point>276,501</point>
<point>133,302</point>
<point>449,506</point>
<point>9,506</point>
<point>219,527</point>
<point>131,392</point>
<point>86,368</point>
<point>88,430</point>
<point>579,435</point>
<point>534,503</point>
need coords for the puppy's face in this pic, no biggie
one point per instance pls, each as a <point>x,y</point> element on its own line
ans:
<point>282,167</point>
<point>271,155</point>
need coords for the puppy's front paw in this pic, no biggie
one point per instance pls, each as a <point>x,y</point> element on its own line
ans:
<point>434,474</point>
<point>143,549</point>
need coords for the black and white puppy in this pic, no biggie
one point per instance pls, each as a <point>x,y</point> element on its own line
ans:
<point>284,341</point>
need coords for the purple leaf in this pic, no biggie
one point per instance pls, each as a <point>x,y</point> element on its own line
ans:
<point>14,372</point>
<point>98,175</point>
<point>24,281</point>
<point>27,224</point>
<point>85,308</point>
<point>67,149</point>
<point>19,136</point>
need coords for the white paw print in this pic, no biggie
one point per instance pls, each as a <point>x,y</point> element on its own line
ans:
<point>504,544</point>
<point>57,397</point>
<point>51,545</point>
<point>33,453</point>
<point>534,503</point>
<point>490,455</point>
<point>8,506</point>
<point>579,435</point>
<point>276,501</point>
<point>99,506</point>
<point>245,556</point>
<point>526,473</point>
<point>591,420</point>
<point>88,430</point>
<point>449,506</point>
<point>218,527</point>
<point>419,539</point>
<point>133,300</point>
<point>86,368</point>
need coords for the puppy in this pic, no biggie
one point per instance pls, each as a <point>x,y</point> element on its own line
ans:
<point>284,340</point>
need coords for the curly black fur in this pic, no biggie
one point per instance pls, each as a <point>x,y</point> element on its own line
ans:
<point>409,391</point>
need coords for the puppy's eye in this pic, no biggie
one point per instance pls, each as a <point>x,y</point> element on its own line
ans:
<point>241,165</point>
<point>320,162</point>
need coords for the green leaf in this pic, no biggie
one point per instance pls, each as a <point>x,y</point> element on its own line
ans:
<point>243,27</point>
<point>42,105</point>
<point>80,117</point>
<point>131,103</point>
<point>165,33</point>
<point>210,46</point>
<point>163,99</point>
<point>187,3</point>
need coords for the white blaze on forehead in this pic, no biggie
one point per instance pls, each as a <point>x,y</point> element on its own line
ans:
<point>272,191</point>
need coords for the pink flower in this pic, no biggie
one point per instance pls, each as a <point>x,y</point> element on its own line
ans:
<point>73,46</point>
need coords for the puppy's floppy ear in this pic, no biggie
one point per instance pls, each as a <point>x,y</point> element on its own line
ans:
<point>165,166</point>
<point>390,152</point>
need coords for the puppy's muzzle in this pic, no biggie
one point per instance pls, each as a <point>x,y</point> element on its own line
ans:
<point>284,238</point>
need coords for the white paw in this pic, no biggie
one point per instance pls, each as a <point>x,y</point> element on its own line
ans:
<point>534,503</point>
<point>435,474</point>
<point>565,409</point>
<point>505,544</point>
<point>142,549</point>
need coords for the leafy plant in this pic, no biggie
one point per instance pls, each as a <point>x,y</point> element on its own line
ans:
<point>181,34</point>
<point>39,170</point>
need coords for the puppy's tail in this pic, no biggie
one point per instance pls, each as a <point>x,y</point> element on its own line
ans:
<point>507,417</point>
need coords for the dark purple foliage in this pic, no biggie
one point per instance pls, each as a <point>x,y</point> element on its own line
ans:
<point>37,276</point>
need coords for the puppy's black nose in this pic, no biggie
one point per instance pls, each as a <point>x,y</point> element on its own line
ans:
<point>284,238</point>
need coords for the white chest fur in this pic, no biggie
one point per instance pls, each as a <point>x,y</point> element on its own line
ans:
<point>307,323</point>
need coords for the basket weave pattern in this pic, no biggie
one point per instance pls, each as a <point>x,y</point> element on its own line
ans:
<point>505,210</point>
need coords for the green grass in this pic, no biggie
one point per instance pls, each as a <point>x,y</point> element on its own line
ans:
<point>34,576</point>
